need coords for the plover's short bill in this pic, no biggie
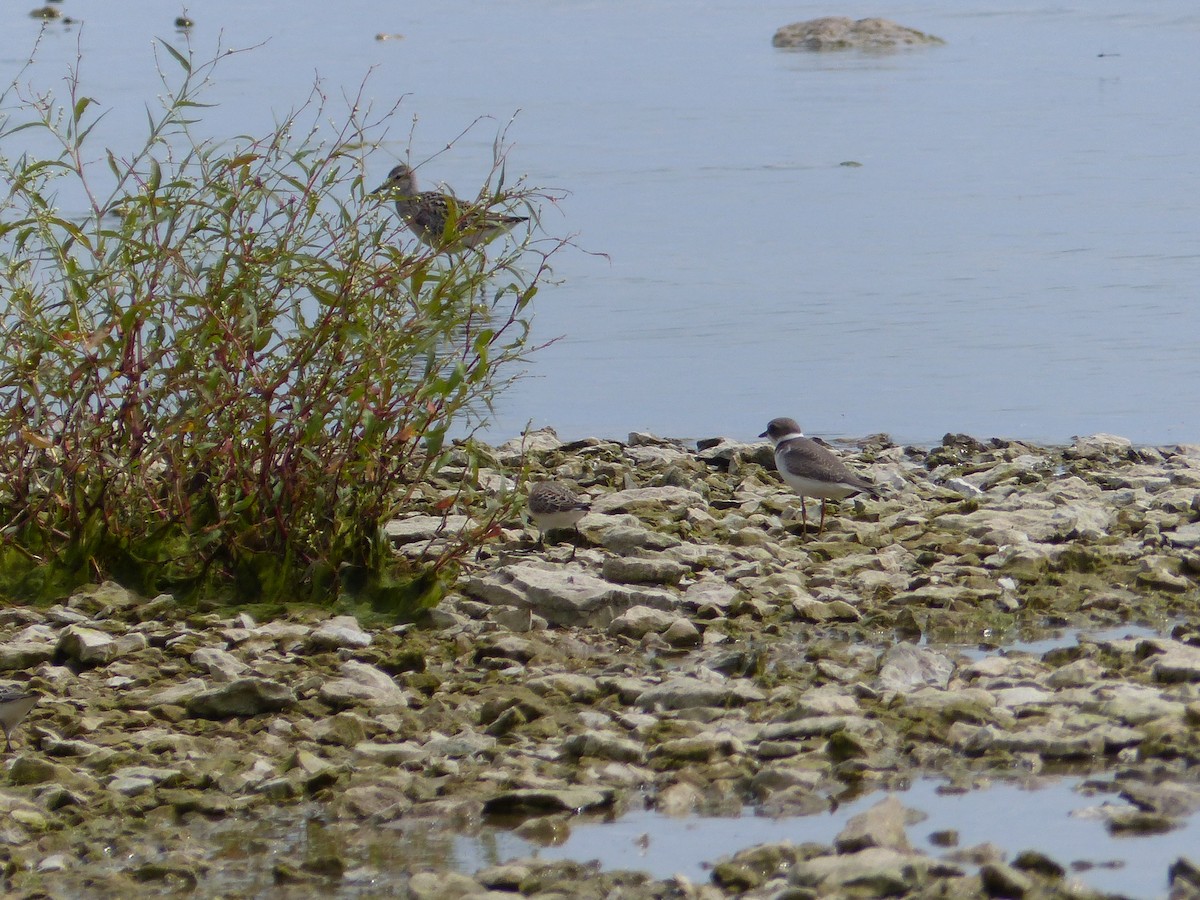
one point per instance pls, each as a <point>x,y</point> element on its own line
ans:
<point>15,705</point>
<point>553,505</point>
<point>427,214</point>
<point>811,470</point>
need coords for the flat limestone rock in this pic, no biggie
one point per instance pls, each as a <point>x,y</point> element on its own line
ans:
<point>244,697</point>
<point>565,596</point>
<point>843,33</point>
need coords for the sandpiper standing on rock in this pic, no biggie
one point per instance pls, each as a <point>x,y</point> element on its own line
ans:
<point>15,705</point>
<point>428,213</point>
<point>811,470</point>
<point>554,505</point>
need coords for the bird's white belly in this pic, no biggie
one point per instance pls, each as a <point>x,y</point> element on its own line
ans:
<point>809,487</point>
<point>554,520</point>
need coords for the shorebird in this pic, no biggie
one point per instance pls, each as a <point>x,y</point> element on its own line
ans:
<point>553,505</point>
<point>439,220</point>
<point>811,470</point>
<point>15,705</point>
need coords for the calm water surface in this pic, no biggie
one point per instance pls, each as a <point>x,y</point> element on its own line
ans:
<point>1016,255</point>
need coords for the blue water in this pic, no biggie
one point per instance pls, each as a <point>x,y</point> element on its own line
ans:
<point>1051,817</point>
<point>1017,254</point>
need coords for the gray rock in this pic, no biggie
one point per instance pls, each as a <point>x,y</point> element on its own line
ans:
<point>362,683</point>
<point>91,647</point>
<point>1100,447</point>
<point>578,688</point>
<point>605,746</point>
<point>540,440</point>
<point>29,647</point>
<point>623,539</point>
<point>400,754</point>
<point>643,570</point>
<point>423,528</point>
<point>883,825</point>
<point>906,667</point>
<point>564,596</point>
<point>339,632</point>
<point>682,633</point>
<point>174,695</point>
<point>222,665</point>
<point>443,886</point>
<point>241,698</point>
<point>640,621</point>
<point>687,692</point>
<point>1174,661</point>
<point>648,500</point>
<point>712,592</point>
<point>841,33</point>
<point>875,871</point>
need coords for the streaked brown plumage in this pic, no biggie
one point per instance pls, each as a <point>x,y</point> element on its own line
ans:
<point>427,214</point>
<point>553,505</point>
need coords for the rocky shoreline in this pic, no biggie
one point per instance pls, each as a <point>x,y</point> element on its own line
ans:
<point>695,656</point>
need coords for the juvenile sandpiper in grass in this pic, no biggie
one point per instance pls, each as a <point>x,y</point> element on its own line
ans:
<point>15,705</point>
<point>441,221</point>
<point>811,470</point>
<point>553,505</point>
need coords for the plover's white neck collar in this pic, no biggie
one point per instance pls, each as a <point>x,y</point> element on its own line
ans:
<point>791,435</point>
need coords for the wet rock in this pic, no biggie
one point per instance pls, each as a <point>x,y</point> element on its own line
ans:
<point>751,868</point>
<point>1184,875</point>
<point>841,33</point>
<point>906,667</point>
<point>883,825</point>
<point>540,802</point>
<point>875,871</point>
<point>242,698</point>
<point>1001,880</point>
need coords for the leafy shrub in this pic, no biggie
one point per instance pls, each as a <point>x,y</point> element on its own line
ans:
<point>232,367</point>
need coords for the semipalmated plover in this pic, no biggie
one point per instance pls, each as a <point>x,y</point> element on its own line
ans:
<point>15,705</point>
<point>811,470</point>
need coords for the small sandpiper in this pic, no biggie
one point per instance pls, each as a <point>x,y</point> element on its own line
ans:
<point>428,213</point>
<point>553,505</point>
<point>811,470</point>
<point>15,705</point>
